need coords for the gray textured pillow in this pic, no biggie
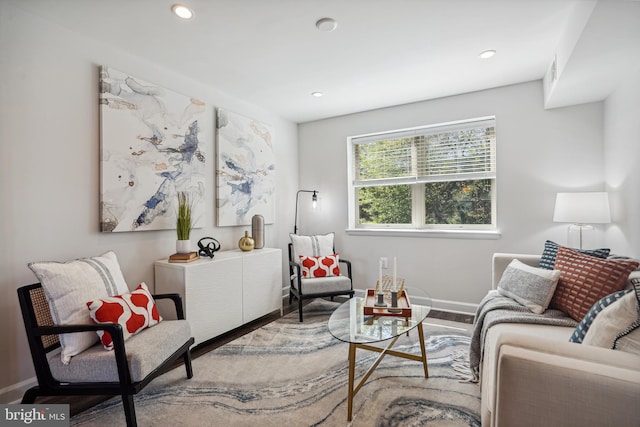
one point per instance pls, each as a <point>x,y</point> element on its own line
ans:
<point>530,286</point>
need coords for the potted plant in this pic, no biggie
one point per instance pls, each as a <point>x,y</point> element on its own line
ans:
<point>183,222</point>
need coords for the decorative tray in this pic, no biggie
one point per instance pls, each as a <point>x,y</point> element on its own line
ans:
<point>403,309</point>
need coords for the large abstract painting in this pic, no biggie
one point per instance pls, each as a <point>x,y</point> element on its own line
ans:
<point>151,148</point>
<point>245,170</point>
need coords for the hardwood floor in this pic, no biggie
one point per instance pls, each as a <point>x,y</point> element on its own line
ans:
<point>82,403</point>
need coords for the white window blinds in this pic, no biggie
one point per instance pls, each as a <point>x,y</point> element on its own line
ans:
<point>455,151</point>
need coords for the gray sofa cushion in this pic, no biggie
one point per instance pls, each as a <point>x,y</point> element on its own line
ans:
<point>145,352</point>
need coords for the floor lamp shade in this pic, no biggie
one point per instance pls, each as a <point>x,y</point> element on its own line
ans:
<point>581,209</point>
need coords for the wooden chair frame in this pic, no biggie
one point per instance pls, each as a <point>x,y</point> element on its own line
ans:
<point>296,288</point>
<point>42,336</point>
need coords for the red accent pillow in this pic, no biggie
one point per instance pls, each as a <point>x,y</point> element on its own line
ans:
<point>134,311</point>
<point>320,266</point>
<point>584,280</point>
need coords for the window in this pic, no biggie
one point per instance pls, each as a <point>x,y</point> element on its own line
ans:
<point>432,177</point>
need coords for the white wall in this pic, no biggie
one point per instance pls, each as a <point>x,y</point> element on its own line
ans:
<point>622,160</point>
<point>49,164</point>
<point>539,153</point>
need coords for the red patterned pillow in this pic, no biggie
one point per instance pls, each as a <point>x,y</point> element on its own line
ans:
<point>584,280</point>
<point>134,311</point>
<point>320,266</point>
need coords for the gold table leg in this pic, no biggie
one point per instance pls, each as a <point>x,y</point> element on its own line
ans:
<point>383,352</point>
<point>352,366</point>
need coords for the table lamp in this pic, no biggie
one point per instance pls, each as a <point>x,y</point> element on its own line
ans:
<point>582,209</point>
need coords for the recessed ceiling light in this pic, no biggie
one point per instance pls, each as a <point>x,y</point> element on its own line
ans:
<point>326,24</point>
<point>182,11</point>
<point>316,94</point>
<point>487,54</point>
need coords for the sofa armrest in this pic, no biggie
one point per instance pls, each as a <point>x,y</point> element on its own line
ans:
<point>502,260</point>
<point>556,383</point>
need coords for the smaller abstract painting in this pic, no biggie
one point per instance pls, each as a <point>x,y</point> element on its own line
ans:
<point>151,148</point>
<point>245,171</point>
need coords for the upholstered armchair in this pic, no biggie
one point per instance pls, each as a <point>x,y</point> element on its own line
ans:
<point>316,270</point>
<point>89,335</point>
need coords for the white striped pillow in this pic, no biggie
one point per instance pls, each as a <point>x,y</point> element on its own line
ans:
<point>316,245</point>
<point>68,286</point>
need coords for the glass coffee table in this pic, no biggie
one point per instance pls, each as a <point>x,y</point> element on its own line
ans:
<point>350,324</point>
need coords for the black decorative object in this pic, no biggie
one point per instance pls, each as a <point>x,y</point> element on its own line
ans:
<point>208,245</point>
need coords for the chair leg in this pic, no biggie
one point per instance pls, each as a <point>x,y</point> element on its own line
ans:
<point>129,410</point>
<point>30,395</point>
<point>300,308</point>
<point>187,363</point>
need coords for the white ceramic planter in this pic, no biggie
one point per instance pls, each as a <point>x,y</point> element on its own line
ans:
<point>183,246</point>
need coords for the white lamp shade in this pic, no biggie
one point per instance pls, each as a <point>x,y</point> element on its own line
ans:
<point>582,208</point>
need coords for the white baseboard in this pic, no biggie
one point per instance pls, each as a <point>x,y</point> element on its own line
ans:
<point>13,393</point>
<point>454,306</point>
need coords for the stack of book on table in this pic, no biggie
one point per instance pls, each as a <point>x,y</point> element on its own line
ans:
<point>188,257</point>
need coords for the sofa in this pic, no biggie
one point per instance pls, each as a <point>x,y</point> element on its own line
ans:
<point>531,375</point>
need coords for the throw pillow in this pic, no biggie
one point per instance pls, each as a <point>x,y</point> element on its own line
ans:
<point>317,245</point>
<point>320,266</point>
<point>550,252</point>
<point>617,322</point>
<point>585,279</point>
<point>587,321</point>
<point>134,311</point>
<point>530,286</point>
<point>68,286</point>
<point>629,339</point>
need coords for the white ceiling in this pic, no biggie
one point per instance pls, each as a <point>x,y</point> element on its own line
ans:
<point>383,52</point>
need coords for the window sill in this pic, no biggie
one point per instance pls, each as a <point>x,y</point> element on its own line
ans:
<point>439,234</point>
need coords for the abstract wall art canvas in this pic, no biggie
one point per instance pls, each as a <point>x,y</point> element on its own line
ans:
<point>245,170</point>
<point>151,148</point>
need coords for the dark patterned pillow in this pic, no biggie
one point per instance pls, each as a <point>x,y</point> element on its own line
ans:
<point>583,326</point>
<point>550,252</point>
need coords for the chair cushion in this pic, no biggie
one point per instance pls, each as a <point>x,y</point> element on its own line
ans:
<point>134,311</point>
<point>326,284</point>
<point>70,285</point>
<point>145,352</point>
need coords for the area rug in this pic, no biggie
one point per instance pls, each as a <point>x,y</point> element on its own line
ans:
<point>295,374</point>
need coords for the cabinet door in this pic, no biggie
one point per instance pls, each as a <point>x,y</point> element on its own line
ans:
<point>261,283</point>
<point>214,298</point>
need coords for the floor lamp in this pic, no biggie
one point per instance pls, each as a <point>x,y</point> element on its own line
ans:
<point>582,209</point>
<point>314,203</point>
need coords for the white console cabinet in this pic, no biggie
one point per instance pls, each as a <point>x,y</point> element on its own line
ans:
<point>225,292</point>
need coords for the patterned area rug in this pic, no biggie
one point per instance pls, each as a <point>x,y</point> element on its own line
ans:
<point>295,374</point>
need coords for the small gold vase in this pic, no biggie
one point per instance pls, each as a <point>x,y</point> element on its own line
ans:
<point>246,243</point>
